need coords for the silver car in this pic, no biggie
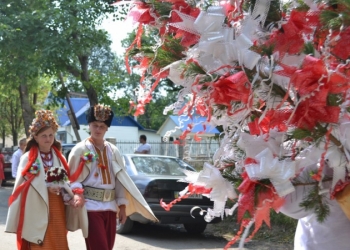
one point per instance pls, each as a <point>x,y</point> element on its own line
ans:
<point>157,178</point>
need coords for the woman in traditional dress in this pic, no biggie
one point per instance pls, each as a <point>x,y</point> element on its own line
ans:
<point>37,211</point>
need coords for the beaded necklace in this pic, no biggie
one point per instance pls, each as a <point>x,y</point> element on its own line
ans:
<point>47,159</point>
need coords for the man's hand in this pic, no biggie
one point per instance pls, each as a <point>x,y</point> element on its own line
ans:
<point>78,200</point>
<point>122,214</point>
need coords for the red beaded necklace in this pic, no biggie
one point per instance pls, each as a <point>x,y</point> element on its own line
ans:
<point>47,158</point>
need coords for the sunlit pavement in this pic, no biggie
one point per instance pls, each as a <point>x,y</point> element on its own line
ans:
<point>76,240</point>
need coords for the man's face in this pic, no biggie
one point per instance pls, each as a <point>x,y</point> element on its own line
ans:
<point>22,145</point>
<point>98,129</point>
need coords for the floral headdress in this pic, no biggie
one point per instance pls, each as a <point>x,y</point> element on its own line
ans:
<point>100,113</point>
<point>44,118</point>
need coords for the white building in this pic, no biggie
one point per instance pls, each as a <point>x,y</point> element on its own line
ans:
<point>123,128</point>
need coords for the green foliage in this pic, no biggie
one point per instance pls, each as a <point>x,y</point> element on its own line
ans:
<point>315,202</point>
<point>264,49</point>
<point>309,49</point>
<point>313,135</point>
<point>302,6</point>
<point>170,51</point>
<point>232,176</point>
<point>192,69</point>
<point>301,134</point>
<point>273,15</point>
<point>54,38</point>
<point>337,15</point>
<point>162,8</point>
<point>154,117</point>
<point>334,99</point>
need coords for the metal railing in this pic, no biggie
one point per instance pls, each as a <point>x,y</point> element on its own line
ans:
<point>191,150</point>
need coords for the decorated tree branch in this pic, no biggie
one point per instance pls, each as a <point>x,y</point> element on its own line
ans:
<point>275,76</point>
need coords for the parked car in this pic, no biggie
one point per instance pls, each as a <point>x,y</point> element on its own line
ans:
<point>66,148</point>
<point>157,177</point>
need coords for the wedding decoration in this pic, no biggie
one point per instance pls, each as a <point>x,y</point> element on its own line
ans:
<point>85,158</point>
<point>88,157</point>
<point>35,168</point>
<point>58,177</point>
<point>274,75</point>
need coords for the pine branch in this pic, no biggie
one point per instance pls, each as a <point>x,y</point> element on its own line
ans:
<point>161,7</point>
<point>171,51</point>
<point>316,202</point>
<point>231,175</point>
<point>337,16</point>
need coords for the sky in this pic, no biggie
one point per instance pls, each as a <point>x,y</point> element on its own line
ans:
<point>118,30</point>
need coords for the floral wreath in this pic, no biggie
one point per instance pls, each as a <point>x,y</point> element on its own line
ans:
<point>44,118</point>
<point>101,112</point>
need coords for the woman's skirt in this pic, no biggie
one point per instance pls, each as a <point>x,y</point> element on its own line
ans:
<point>56,233</point>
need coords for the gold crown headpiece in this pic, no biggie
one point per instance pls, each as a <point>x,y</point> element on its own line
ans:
<point>44,118</point>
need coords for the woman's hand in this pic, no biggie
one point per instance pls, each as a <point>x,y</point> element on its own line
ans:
<point>55,190</point>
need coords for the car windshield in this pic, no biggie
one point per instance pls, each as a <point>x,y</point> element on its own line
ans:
<point>160,166</point>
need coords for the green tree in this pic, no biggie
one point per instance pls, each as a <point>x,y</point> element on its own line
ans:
<point>166,92</point>
<point>20,54</point>
<point>74,39</point>
<point>53,38</point>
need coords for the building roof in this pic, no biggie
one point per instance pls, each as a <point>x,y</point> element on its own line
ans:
<point>81,105</point>
<point>198,122</point>
<point>181,123</point>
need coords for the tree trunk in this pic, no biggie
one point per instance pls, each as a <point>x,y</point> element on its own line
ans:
<point>13,124</point>
<point>90,91</point>
<point>92,95</point>
<point>27,109</point>
<point>15,138</point>
<point>3,137</point>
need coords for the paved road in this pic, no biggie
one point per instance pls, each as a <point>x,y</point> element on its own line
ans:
<point>145,237</point>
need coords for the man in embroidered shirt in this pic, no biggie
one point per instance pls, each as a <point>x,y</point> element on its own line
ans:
<point>17,155</point>
<point>104,180</point>
<point>144,148</point>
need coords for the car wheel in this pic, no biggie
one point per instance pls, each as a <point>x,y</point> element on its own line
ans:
<point>126,227</point>
<point>195,228</point>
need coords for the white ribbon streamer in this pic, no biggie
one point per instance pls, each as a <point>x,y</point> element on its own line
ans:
<point>210,177</point>
<point>269,167</point>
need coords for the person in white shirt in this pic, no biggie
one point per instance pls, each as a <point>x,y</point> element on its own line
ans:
<point>144,148</point>
<point>99,177</point>
<point>17,155</point>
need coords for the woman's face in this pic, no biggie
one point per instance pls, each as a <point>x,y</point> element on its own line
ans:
<point>45,139</point>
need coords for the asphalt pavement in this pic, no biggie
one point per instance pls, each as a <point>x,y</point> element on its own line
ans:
<point>8,240</point>
<point>147,237</point>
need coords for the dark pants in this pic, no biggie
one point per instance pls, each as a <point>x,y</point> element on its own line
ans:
<point>102,230</point>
